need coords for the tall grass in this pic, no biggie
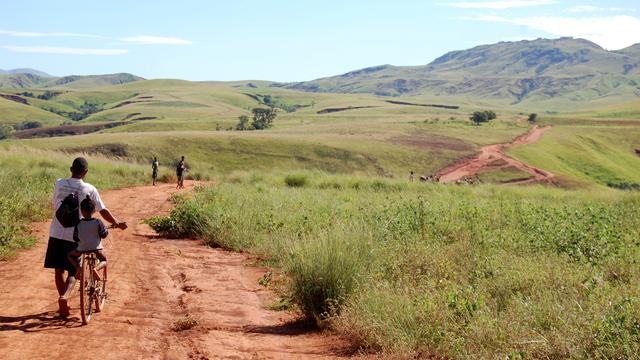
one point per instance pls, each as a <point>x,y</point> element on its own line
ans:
<point>409,269</point>
<point>26,186</point>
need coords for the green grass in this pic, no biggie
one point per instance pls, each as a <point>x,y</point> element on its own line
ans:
<point>391,153</point>
<point>14,113</point>
<point>452,271</point>
<point>26,183</point>
<point>503,175</point>
<point>586,154</point>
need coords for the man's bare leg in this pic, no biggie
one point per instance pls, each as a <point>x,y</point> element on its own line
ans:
<point>71,282</point>
<point>62,300</point>
<point>59,274</point>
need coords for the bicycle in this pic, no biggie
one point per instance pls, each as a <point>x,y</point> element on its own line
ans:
<point>93,286</point>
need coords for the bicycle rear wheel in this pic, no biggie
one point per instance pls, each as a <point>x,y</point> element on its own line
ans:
<point>100,294</point>
<point>87,288</point>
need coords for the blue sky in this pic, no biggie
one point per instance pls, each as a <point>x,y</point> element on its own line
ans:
<point>284,40</point>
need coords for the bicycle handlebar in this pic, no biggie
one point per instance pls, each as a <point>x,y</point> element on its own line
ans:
<point>117,227</point>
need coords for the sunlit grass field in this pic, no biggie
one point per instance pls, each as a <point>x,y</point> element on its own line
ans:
<point>411,269</point>
<point>587,153</point>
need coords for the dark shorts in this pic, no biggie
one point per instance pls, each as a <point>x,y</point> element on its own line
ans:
<point>57,251</point>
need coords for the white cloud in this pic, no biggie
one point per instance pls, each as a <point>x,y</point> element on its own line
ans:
<point>46,34</point>
<point>138,40</point>
<point>64,50</point>
<point>155,40</point>
<point>583,8</point>
<point>499,4</point>
<point>591,8</point>
<point>610,32</point>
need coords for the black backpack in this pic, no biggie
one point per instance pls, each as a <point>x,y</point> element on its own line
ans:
<point>68,213</point>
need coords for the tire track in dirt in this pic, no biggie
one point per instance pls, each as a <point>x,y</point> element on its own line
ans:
<point>492,153</point>
<point>153,283</point>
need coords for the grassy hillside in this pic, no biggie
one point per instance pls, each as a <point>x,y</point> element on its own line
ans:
<point>25,71</point>
<point>12,112</point>
<point>452,272</point>
<point>338,133</point>
<point>210,153</point>
<point>34,79</point>
<point>21,80</point>
<point>90,81</point>
<point>587,153</point>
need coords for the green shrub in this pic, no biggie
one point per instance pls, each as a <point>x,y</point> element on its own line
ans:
<point>324,272</point>
<point>186,220</point>
<point>168,177</point>
<point>6,131</point>
<point>296,180</point>
<point>28,125</point>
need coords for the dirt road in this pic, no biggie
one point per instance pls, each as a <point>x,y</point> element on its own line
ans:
<point>494,154</point>
<point>153,283</point>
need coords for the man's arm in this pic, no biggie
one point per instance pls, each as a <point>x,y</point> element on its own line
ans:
<point>106,214</point>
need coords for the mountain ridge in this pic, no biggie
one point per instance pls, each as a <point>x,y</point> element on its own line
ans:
<point>517,71</point>
<point>31,80</point>
<point>25,71</point>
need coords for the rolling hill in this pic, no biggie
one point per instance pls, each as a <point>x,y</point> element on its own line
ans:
<point>21,80</point>
<point>566,69</point>
<point>35,79</point>
<point>25,71</point>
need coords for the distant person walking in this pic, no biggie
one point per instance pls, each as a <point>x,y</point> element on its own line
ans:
<point>180,170</point>
<point>66,196</point>
<point>154,169</point>
<point>411,177</point>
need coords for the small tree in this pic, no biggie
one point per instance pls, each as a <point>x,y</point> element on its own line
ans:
<point>243,123</point>
<point>479,117</point>
<point>263,118</point>
<point>533,118</point>
<point>28,125</point>
<point>6,131</point>
<point>90,108</point>
<point>47,95</point>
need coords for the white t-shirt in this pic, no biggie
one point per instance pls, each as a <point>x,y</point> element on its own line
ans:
<point>63,188</point>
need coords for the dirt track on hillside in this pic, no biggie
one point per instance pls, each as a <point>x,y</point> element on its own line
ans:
<point>153,283</point>
<point>495,153</point>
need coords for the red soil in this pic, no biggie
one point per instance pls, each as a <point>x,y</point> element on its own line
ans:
<point>153,283</point>
<point>491,153</point>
